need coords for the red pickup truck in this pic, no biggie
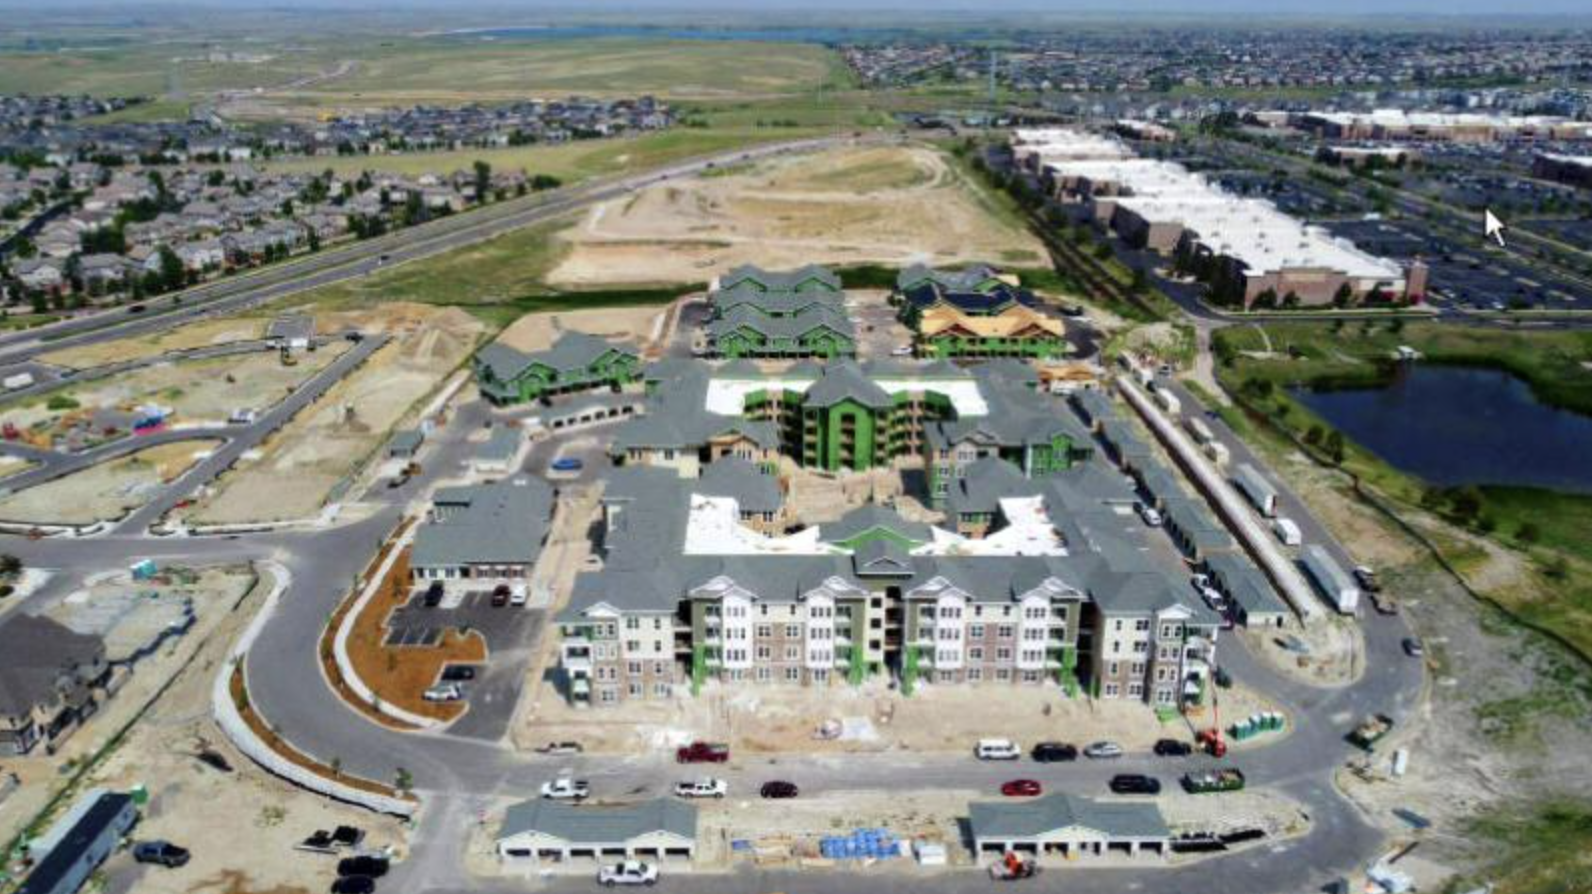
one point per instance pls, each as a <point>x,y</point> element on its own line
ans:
<point>702,753</point>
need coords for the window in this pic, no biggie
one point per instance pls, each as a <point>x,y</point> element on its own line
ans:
<point>1034,612</point>
<point>661,690</point>
<point>1112,690</point>
<point>976,631</point>
<point>793,653</point>
<point>1003,654</point>
<point>1136,668</point>
<point>1168,631</point>
<point>1113,668</point>
<point>659,668</point>
<point>764,673</point>
<point>632,623</point>
<point>764,631</point>
<point>1135,690</point>
<point>793,631</point>
<point>947,676</point>
<point>975,653</point>
<point>950,612</point>
<point>608,696</point>
<point>820,675</point>
<point>1142,625</point>
<point>1163,696</point>
<point>975,674</point>
<point>1004,631</point>
<point>633,668</point>
<point>1030,676</point>
<point>1003,674</point>
<point>635,690</point>
<point>764,653</point>
<point>632,645</point>
<point>793,675</point>
<point>1033,634</point>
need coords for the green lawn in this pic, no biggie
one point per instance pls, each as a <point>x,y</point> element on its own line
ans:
<point>145,112</point>
<point>1549,528</point>
<point>1546,850</point>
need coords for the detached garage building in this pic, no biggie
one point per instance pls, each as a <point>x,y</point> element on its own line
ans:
<point>552,832</point>
<point>1066,825</point>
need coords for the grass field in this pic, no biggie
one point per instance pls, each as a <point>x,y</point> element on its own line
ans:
<point>145,112</point>
<point>443,68</point>
<point>1549,850</point>
<point>1548,529</point>
<point>572,162</point>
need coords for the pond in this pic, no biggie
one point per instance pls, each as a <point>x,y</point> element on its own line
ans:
<point>1454,425</point>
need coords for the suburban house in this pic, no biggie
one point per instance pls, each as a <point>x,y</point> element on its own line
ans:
<point>576,362</point>
<point>48,678</point>
<point>1067,826</point>
<point>479,536</point>
<point>80,842</point>
<point>550,831</point>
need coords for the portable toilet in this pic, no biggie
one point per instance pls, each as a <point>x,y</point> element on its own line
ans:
<point>144,569</point>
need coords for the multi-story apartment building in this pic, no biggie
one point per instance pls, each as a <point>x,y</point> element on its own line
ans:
<point>1030,580</point>
<point>757,313</point>
<point>576,362</point>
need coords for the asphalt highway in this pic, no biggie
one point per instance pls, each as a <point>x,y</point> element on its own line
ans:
<point>229,295</point>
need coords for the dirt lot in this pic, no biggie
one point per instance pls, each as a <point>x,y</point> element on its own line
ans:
<point>890,205</point>
<point>240,825</point>
<point>299,467</point>
<point>215,593</point>
<point>779,719</point>
<point>198,392</point>
<point>193,335</point>
<point>537,332</point>
<point>400,676</point>
<point>106,491</point>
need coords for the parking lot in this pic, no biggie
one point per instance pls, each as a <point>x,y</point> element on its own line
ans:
<point>511,636</point>
<point>879,334</point>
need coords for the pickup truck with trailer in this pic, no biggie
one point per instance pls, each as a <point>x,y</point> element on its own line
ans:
<point>1224,779</point>
<point>1370,731</point>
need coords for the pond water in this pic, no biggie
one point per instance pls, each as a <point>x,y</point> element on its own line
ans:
<point>1455,425</point>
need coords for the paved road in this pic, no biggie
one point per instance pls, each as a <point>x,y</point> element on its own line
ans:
<point>237,439</point>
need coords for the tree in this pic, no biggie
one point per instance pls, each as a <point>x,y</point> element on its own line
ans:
<point>1314,434</point>
<point>1528,532</point>
<point>172,272</point>
<point>1466,502</point>
<point>10,565</point>
<point>483,180</point>
<point>1334,447</point>
<point>403,781</point>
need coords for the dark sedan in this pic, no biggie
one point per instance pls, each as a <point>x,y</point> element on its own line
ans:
<point>1135,784</point>
<point>779,790</point>
<point>1054,752</point>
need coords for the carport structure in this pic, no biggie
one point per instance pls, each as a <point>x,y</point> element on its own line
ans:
<point>536,832</point>
<point>1066,825</point>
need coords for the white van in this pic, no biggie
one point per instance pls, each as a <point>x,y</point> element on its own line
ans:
<point>1287,532</point>
<point>997,750</point>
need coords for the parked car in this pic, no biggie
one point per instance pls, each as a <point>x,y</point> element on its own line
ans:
<point>518,596</point>
<point>1022,788</point>
<point>630,872</point>
<point>702,753</point>
<point>1173,748</point>
<point>347,837</point>
<point>444,692</point>
<point>901,351</point>
<point>434,594</point>
<point>375,867</point>
<point>161,853</point>
<point>1054,752</point>
<point>567,464</point>
<point>1099,750</point>
<point>997,750</point>
<point>706,787</point>
<point>354,884</point>
<point>1366,578</point>
<point>779,789</point>
<point>1149,514</point>
<point>500,595</point>
<point>458,673</point>
<point>1413,647</point>
<point>1135,784</point>
<point>566,789</point>
<point>560,748</point>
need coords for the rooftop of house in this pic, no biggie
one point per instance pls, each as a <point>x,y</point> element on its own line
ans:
<point>572,352</point>
<point>602,824</point>
<point>1060,811</point>
<point>501,523</point>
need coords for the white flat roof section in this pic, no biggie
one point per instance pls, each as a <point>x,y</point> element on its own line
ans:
<point>727,397</point>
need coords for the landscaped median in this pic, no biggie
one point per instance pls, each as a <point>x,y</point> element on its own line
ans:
<point>253,735</point>
<point>388,683</point>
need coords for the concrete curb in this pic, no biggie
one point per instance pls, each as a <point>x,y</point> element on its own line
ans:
<point>345,665</point>
<point>243,738</point>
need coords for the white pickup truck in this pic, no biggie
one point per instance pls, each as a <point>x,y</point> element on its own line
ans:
<point>706,787</point>
<point>630,872</point>
<point>566,789</point>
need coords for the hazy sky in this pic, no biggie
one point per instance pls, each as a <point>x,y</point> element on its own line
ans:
<point>1310,8</point>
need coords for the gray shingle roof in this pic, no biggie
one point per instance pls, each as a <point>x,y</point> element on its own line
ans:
<point>734,477</point>
<point>868,517</point>
<point>845,381</point>
<point>1006,820</point>
<point>589,825</point>
<point>775,280</point>
<point>35,653</point>
<point>504,523</point>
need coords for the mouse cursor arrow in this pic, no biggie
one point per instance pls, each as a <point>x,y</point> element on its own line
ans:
<point>1492,227</point>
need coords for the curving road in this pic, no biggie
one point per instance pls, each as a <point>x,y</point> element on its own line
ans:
<point>458,775</point>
